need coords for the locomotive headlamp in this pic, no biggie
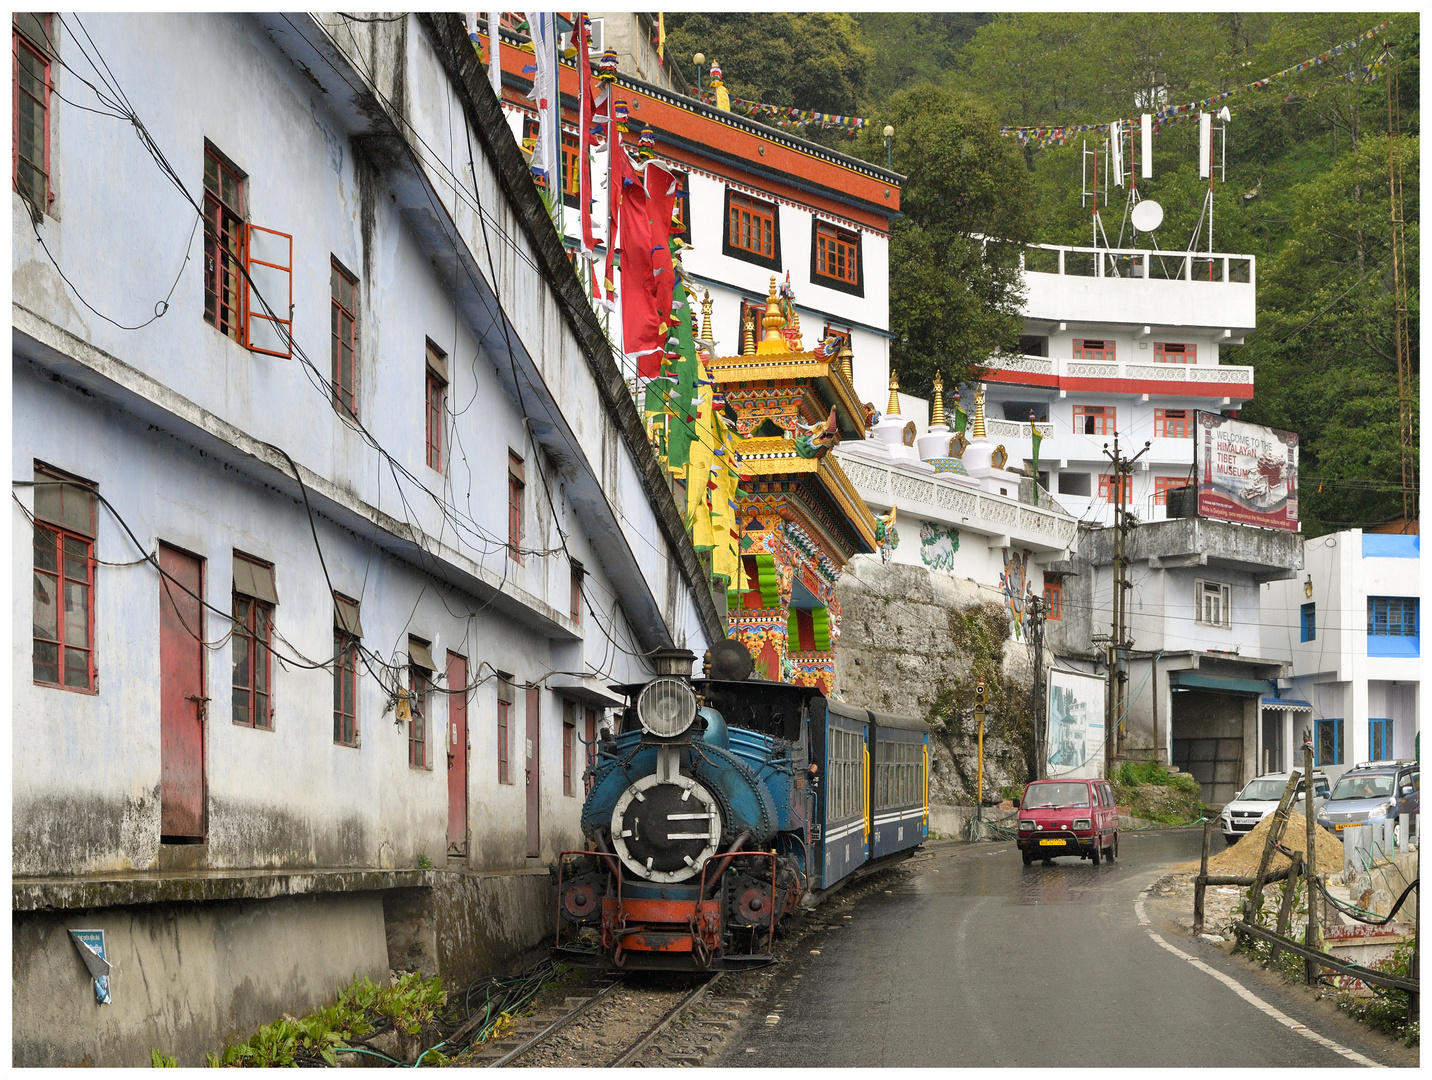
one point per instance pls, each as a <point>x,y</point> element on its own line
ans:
<point>666,707</point>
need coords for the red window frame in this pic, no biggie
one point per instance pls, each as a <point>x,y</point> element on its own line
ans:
<point>28,56</point>
<point>345,689</point>
<point>1053,597</point>
<point>1173,423</point>
<point>65,565</point>
<point>225,244</point>
<point>1092,349</point>
<point>516,482</point>
<point>1106,486</point>
<point>435,399</point>
<point>344,326</point>
<point>253,663</point>
<point>1095,419</point>
<point>1168,352</point>
<point>836,254</point>
<point>1164,484</point>
<point>569,749</point>
<point>752,226</point>
<point>571,160</point>
<point>419,684</point>
<point>504,728</point>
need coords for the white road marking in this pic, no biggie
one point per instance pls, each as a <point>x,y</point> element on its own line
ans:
<point>1250,997</point>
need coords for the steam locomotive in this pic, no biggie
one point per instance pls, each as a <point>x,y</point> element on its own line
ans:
<point>717,805</point>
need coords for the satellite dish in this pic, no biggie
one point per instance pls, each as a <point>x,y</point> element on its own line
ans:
<point>731,661</point>
<point>1147,216</point>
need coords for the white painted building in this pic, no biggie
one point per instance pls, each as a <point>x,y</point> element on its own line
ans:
<point>474,487</point>
<point>1122,341</point>
<point>1351,622</point>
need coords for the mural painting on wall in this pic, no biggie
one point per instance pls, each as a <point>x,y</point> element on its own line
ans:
<point>886,535</point>
<point>938,546</point>
<point>1015,583</point>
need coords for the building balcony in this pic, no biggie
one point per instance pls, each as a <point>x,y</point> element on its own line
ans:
<point>1134,287</point>
<point>1220,383</point>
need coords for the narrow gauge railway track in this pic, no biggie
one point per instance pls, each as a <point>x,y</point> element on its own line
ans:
<point>635,1047</point>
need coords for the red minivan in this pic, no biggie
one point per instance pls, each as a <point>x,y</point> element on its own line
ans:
<point>1068,817</point>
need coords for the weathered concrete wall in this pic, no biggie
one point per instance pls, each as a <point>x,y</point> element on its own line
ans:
<point>913,642</point>
<point>484,922</point>
<point>241,965</point>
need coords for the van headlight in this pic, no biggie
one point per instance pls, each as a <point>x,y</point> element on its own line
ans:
<point>1082,823</point>
<point>666,707</point>
<point>1026,826</point>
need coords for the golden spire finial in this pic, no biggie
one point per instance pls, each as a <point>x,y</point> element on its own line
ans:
<point>706,303</point>
<point>893,409</point>
<point>748,345</point>
<point>773,341</point>
<point>937,413</point>
<point>979,412</point>
<point>847,359</point>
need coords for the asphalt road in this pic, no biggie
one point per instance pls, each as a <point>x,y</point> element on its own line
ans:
<point>973,959</point>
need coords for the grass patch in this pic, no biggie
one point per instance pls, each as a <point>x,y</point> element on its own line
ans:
<point>1153,793</point>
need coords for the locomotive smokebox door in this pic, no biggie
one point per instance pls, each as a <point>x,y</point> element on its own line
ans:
<point>665,826</point>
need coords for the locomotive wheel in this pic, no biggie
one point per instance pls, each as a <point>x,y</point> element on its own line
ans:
<point>753,903</point>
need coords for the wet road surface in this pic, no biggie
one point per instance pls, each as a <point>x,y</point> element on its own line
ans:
<point>977,960</point>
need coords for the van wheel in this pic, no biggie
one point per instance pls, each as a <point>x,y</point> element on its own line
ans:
<point>1094,855</point>
<point>1115,849</point>
<point>1027,857</point>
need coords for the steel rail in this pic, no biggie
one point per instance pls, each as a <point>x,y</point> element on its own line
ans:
<point>629,1054</point>
<point>554,1027</point>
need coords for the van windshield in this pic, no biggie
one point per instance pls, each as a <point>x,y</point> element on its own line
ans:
<point>1055,796</point>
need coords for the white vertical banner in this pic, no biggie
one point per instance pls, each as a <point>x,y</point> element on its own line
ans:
<point>1116,144</point>
<point>494,52</point>
<point>546,161</point>
<point>1146,151</point>
<point>1205,144</point>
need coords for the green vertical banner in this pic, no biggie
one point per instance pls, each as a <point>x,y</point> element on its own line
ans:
<point>682,394</point>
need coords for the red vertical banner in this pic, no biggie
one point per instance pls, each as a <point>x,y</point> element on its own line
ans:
<point>586,141</point>
<point>647,199</point>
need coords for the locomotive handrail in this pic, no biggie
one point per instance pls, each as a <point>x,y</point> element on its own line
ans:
<point>865,793</point>
<point>925,750</point>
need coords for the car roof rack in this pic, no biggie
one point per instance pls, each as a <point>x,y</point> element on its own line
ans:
<point>1398,763</point>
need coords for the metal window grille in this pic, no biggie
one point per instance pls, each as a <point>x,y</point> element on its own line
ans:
<point>1328,748</point>
<point>419,681</point>
<point>752,226</point>
<point>1392,616</point>
<point>31,116</point>
<point>63,624</point>
<point>1379,739</point>
<point>224,245</point>
<point>252,669</point>
<point>344,325</point>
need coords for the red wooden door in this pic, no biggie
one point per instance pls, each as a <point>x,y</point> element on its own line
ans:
<point>534,771</point>
<point>457,754</point>
<point>181,696</point>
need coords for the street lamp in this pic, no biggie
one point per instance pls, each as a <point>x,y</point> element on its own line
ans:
<point>698,60</point>
<point>889,134</point>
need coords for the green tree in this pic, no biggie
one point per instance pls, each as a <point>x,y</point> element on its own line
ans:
<point>954,257</point>
<point>914,46</point>
<point>808,60</point>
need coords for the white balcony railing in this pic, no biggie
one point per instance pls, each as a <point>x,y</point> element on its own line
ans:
<point>1215,374</point>
<point>1140,263</point>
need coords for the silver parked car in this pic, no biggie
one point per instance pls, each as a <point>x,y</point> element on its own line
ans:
<point>1371,793</point>
<point>1260,798</point>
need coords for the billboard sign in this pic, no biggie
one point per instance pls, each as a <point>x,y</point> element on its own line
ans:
<point>1074,745</point>
<point>1246,473</point>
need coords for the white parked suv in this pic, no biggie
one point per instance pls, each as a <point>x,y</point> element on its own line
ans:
<point>1260,798</point>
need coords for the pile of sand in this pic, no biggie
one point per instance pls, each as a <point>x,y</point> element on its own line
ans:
<point>1241,860</point>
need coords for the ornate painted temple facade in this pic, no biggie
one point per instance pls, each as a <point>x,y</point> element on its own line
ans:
<point>800,517</point>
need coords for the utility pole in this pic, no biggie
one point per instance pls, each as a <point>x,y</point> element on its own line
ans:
<point>1119,490</point>
<point>1035,605</point>
<point>1406,371</point>
<point>979,772</point>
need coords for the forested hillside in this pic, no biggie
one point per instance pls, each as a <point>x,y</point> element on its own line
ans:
<point>1307,185</point>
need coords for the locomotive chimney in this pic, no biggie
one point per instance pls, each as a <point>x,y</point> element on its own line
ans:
<point>674,662</point>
